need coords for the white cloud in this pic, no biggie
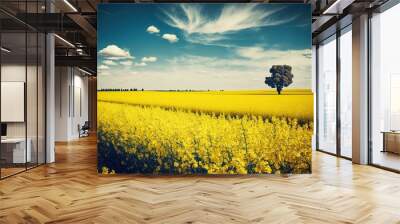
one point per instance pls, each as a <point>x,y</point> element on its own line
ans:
<point>249,68</point>
<point>172,38</point>
<point>140,64</point>
<point>258,52</point>
<point>152,29</point>
<point>232,18</point>
<point>200,28</point>
<point>103,73</point>
<point>246,68</point>
<point>251,58</point>
<point>149,59</point>
<point>113,52</point>
<point>109,62</point>
<point>103,67</point>
<point>289,57</point>
<point>127,63</point>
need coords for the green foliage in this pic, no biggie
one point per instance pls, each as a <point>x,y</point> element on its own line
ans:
<point>281,76</point>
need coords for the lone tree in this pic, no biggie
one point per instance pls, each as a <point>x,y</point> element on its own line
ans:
<point>281,76</point>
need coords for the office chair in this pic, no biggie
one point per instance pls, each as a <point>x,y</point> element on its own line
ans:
<point>84,130</point>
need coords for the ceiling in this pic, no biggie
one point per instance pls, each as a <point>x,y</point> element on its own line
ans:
<point>75,21</point>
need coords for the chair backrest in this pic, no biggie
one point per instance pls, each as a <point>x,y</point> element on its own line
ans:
<point>86,125</point>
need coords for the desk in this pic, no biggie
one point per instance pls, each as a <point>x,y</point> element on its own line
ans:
<point>15,148</point>
<point>391,141</point>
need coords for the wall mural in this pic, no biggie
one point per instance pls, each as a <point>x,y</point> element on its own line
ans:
<point>204,88</point>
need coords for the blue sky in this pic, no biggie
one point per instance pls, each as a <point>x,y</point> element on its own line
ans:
<point>201,46</point>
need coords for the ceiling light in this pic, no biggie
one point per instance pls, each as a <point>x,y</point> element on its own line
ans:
<point>5,50</point>
<point>84,71</point>
<point>79,51</point>
<point>70,5</point>
<point>327,11</point>
<point>337,7</point>
<point>64,40</point>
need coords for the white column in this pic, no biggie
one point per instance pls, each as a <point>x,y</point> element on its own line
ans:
<point>50,94</point>
<point>360,90</point>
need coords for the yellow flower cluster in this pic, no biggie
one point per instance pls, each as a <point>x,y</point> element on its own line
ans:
<point>146,139</point>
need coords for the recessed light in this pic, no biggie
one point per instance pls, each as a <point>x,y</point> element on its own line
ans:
<point>84,71</point>
<point>70,5</point>
<point>64,40</point>
<point>5,50</point>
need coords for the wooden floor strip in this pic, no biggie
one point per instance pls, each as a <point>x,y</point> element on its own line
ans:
<point>71,191</point>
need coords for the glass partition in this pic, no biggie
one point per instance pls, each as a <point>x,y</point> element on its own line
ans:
<point>31,98</point>
<point>22,88</point>
<point>41,97</point>
<point>346,92</point>
<point>327,95</point>
<point>13,94</point>
<point>385,89</point>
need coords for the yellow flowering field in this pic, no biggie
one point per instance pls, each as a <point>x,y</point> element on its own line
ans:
<point>150,132</point>
<point>296,103</point>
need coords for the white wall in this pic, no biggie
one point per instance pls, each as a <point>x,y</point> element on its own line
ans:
<point>61,103</point>
<point>71,102</point>
<point>80,104</point>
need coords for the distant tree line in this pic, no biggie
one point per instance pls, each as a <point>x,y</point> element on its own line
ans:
<point>186,90</point>
<point>120,90</point>
<point>169,90</point>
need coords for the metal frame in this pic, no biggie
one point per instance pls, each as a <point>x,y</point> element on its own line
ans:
<point>37,91</point>
<point>0,89</point>
<point>316,97</point>
<point>338,98</point>
<point>26,88</point>
<point>369,98</point>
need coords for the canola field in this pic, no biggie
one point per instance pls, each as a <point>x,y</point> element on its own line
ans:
<point>293,103</point>
<point>216,132</point>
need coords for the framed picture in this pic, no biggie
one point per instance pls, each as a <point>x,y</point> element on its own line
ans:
<point>204,88</point>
